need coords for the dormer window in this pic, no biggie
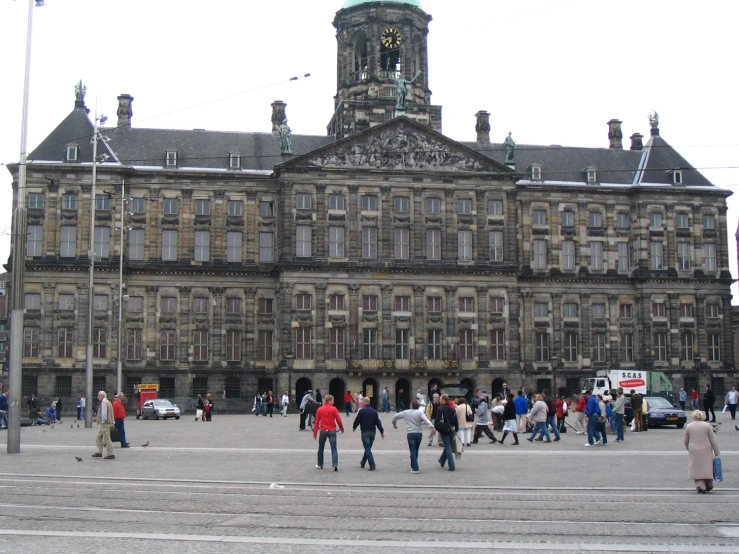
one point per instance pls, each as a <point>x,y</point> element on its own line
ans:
<point>70,153</point>
<point>592,174</point>
<point>171,158</point>
<point>677,176</point>
<point>536,172</point>
<point>234,160</point>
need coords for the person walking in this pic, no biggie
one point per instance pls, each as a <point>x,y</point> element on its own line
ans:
<point>284,402</point>
<point>209,408</point>
<point>702,446</point>
<point>483,422</point>
<point>327,419</point>
<point>431,409</point>
<point>602,420</point>
<point>682,396</point>
<point>257,406</point>
<point>105,420</point>
<point>709,399</point>
<point>368,420</point>
<point>592,412</point>
<point>414,421</point>
<point>694,399</point>
<point>637,404</point>
<point>83,407</point>
<point>522,410</point>
<point>619,409</point>
<point>509,420</point>
<point>539,416</point>
<point>732,399</point>
<point>399,405</point>
<point>551,413</point>
<point>577,412</point>
<point>270,403</point>
<point>3,411</point>
<point>466,419</point>
<point>200,408</point>
<point>119,417</point>
<point>385,397</point>
<point>446,425</point>
<point>58,407</point>
<point>348,402</point>
<point>304,409</point>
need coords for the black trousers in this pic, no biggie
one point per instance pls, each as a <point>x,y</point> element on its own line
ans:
<point>480,429</point>
<point>303,415</point>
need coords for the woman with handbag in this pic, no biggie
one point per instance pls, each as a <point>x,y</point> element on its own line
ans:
<point>702,445</point>
<point>446,425</point>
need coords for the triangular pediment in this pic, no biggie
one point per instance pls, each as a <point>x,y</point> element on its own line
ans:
<point>400,144</point>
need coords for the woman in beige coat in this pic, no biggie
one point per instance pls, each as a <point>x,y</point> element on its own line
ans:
<point>465,427</point>
<point>702,446</point>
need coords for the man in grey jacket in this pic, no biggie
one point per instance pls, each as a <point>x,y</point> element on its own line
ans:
<point>618,414</point>
<point>414,420</point>
<point>483,423</point>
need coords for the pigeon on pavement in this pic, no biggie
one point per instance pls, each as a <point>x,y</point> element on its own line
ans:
<point>78,458</point>
<point>145,445</point>
<point>735,427</point>
<point>71,426</point>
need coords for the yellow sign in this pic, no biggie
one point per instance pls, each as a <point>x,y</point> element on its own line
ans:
<point>146,387</point>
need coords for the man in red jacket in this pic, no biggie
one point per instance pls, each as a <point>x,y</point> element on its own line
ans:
<point>119,415</point>
<point>327,419</point>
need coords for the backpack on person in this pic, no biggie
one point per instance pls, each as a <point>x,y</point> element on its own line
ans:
<point>311,406</point>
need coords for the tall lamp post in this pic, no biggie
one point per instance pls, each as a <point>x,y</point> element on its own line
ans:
<point>15,368</point>
<point>121,297</point>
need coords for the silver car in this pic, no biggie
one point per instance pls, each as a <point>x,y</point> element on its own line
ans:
<point>160,409</point>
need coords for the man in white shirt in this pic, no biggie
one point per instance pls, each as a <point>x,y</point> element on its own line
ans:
<point>732,399</point>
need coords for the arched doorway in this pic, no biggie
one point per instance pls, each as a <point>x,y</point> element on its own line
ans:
<point>302,386</point>
<point>337,388</point>
<point>402,395</point>
<point>431,391</point>
<point>369,388</point>
<point>469,383</point>
<point>497,386</point>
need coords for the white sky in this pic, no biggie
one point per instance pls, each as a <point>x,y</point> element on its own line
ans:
<point>550,71</point>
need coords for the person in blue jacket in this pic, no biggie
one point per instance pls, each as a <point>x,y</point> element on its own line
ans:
<point>592,412</point>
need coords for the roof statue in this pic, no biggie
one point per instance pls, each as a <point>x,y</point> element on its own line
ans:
<point>286,146</point>
<point>654,119</point>
<point>352,3</point>
<point>401,104</point>
<point>509,145</point>
<point>79,91</point>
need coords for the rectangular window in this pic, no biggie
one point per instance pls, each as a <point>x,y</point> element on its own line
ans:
<point>656,259</point>
<point>712,310</point>
<point>541,309</point>
<point>596,255</point>
<point>686,310</point>
<point>69,241</point>
<point>267,209</point>
<point>535,172</point>
<point>66,302</point>
<point>682,221</point>
<point>496,246</point>
<point>598,310</point>
<point>170,159</point>
<point>402,344</point>
<point>686,347</point>
<point>266,247</point>
<point>568,218</point>
<point>134,342</point>
<point>303,235</point>
<point>464,206</point>
<point>658,309</point>
<point>369,344</point>
<point>303,302</point>
<point>336,202</point>
<point>464,246</point>
<point>167,345</point>
<point>169,305</point>
<point>166,387</point>
<point>495,207</point>
<point>466,344</point>
<point>570,347</point>
<point>714,347</point>
<point>402,303</point>
<point>63,387</point>
<point>200,305</point>
<point>369,203</point>
<point>402,204</point>
<point>540,217</point>
<point>433,244</point>
<point>266,306</point>
<point>138,205</point>
<point>434,344</point>
<point>100,343</point>
<point>709,221</point>
<point>169,246</point>
<point>102,242</point>
<point>233,305</point>
<point>625,310</point>
<point>683,256</point>
<point>34,240</point>
<point>433,304</point>
<point>234,241</point>
<point>540,254</point>
<point>100,302</point>
<point>622,221</point>
<point>200,345</point>
<point>102,202</point>
<point>660,347</point>
<point>170,206</point>
<point>235,208</point>
<point>623,256</point>
<point>32,301</point>
<point>596,220</point>
<point>402,246</point>
<point>135,304</point>
<point>655,220</point>
<point>303,343</point>
<point>497,305</point>
<point>497,344</point>
<point>336,302</point>
<point>233,346</point>
<point>202,246</point>
<point>709,257</point>
<point>569,309</point>
<point>65,337</point>
<point>599,347</point>
<point>369,303</point>
<point>303,201</point>
<point>466,304</point>
<point>234,160</point>
<point>69,201</point>
<point>35,201</point>
<point>369,243</point>
<point>336,242</point>
<point>433,205</point>
<point>542,347</point>
<point>265,345</point>
<point>627,347</point>
<point>136,241</point>
<point>30,342</point>
<point>568,254</point>
<point>336,343</point>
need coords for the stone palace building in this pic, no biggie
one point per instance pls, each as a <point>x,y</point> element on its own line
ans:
<point>382,254</point>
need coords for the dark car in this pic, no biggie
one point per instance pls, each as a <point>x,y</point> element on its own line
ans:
<point>456,390</point>
<point>662,412</point>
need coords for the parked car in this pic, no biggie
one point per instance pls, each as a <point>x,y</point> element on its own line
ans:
<point>159,409</point>
<point>662,412</point>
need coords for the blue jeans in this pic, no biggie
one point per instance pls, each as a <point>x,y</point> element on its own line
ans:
<point>348,408</point>
<point>540,427</point>
<point>552,420</point>
<point>119,424</point>
<point>368,438</point>
<point>331,436</point>
<point>4,419</point>
<point>258,411</point>
<point>593,434</point>
<point>602,431</point>
<point>414,444</point>
<point>385,405</point>
<point>619,426</point>
<point>447,455</point>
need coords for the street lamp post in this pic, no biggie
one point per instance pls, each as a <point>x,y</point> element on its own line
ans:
<point>15,368</point>
<point>119,365</point>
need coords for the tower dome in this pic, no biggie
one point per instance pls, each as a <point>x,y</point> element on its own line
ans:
<point>352,3</point>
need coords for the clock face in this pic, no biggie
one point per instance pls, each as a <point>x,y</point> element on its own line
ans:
<point>391,38</point>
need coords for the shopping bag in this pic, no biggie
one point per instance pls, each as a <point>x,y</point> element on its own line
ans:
<point>724,410</point>
<point>198,413</point>
<point>718,474</point>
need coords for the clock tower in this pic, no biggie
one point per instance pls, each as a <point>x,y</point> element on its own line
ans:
<point>378,43</point>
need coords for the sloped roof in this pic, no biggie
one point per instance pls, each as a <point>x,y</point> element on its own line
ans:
<point>658,162</point>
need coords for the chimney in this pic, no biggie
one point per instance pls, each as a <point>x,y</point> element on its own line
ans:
<point>614,134</point>
<point>483,126</point>
<point>125,112</point>
<point>278,115</point>
<point>636,141</point>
